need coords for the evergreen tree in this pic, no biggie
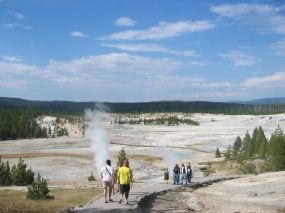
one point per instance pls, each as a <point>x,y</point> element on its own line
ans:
<point>121,157</point>
<point>5,179</point>
<point>20,176</point>
<point>38,190</point>
<point>262,149</point>
<point>236,147</point>
<point>228,153</point>
<point>247,148</point>
<point>276,150</point>
<point>218,153</point>
<point>260,138</point>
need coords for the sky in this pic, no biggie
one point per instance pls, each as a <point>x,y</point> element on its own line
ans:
<point>141,51</point>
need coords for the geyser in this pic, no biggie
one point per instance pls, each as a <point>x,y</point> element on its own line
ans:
<point>97,133</point>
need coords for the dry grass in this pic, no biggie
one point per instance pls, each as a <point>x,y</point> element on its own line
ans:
<point>16,202</point>
<point>34,155</point>
<point>220,168</point>
<point>145,157</point>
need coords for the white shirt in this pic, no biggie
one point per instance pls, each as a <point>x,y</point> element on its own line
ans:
<point>107,176</point>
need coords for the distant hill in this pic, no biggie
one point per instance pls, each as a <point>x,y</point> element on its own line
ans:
<point>263,101</point>
<point>156,106</point>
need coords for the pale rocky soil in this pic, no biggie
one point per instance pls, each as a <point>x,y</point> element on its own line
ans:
<point>67,161</point>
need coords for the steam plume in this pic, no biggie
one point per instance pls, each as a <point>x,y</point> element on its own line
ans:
<point>169,157</point>
<point>97,133</point>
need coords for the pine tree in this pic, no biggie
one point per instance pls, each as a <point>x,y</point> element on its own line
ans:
<point>121,157</point>
<point>262,149</point>
<point>260,137</point>
<point>228,153</point>
<point>236,147</point>
<point>276,150</point>
<point>38,190</point>
<point>246,145</point>
<point>5,179</point>
<point>19,174</point>
<point>218,153</point>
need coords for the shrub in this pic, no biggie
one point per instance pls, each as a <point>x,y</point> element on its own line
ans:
<point>248,168</point>
<point>91,177</point>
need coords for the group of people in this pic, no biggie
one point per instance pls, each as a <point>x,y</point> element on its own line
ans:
<point>122,175</point>
<point>179,174</point>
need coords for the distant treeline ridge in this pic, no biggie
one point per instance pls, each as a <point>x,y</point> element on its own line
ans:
<point>142,107</point>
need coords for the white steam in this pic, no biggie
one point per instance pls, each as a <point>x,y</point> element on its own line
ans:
<point>169,157</point>
<point>97,133</point>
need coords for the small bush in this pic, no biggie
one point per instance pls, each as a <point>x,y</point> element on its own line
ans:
<point>248,168</point>
<point>91,177</point>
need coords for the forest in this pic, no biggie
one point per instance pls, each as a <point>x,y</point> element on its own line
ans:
<point>18,116</point>
<point>143,107</point>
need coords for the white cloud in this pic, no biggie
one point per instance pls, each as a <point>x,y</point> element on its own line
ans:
<point>273,81</point>
<point>125,22</point>
<point>17,15</point>
<point>115,64</point>
<point>11,68</point>
<point>164,30</point>
<point>239,58</point>
<point>266,18</point>
<point>149,47</point>
<point>210,95</point>
<point>110,68</point>
<point>212,85</point>
<point>78,34</point>
<point>279,46</point>
<point>15,25</point>
<point>12,58</point>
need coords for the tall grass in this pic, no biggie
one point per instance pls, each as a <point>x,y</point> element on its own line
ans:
<point>15,201</point>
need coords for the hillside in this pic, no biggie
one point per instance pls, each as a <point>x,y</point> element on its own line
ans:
<point>157,106</point>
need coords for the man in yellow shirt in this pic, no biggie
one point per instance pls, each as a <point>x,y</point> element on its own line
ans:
<point>125,180</point>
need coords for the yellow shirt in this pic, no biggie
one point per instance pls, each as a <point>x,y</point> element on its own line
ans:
<point>124,174</point>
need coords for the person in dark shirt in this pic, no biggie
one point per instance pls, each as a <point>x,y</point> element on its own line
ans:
<point>176,173</point>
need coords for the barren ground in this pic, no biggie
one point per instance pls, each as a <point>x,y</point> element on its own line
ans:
<point>67,161</point>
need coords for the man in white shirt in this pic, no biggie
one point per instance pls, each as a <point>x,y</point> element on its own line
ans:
<point>107,175</point>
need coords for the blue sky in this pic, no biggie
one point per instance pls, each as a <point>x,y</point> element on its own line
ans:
<point>138,51</point>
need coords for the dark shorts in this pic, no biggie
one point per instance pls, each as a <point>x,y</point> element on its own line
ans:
<point>125,189</point>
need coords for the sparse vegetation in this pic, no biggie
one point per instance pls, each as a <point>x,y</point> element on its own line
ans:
<point>164,120</point>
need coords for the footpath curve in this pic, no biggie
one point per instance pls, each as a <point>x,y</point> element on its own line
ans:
<point>141,192</point>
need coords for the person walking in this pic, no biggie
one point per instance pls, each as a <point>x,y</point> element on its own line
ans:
<point>125,180</point>
<point>183,173</point>
<point>189,173</point>
<point>176,173</point>
<point>116,177</point>
<point>108,179</point>
<point>166,175</point>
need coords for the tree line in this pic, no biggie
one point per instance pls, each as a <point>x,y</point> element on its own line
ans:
<point>170,121</point>
<point>21,123</point>
<point>142,107</point>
